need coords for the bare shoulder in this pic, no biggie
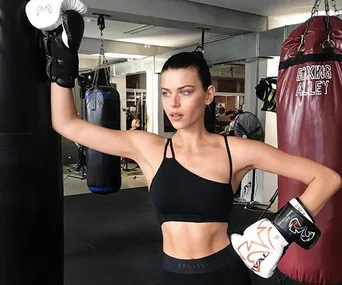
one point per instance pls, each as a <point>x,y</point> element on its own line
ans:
<point>146,142</point>
<point>238,147</point>
<point>251,154</point>
<point>146,139</point>
<point>150,151</point>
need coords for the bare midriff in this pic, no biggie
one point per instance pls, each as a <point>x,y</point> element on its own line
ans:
<point>185,240</point>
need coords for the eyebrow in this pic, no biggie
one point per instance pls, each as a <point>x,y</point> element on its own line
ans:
<point>180,87</point>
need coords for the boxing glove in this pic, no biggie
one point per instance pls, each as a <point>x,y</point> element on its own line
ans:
<point>263,244</point>
<point>59,45</point>
<point>46,14</point>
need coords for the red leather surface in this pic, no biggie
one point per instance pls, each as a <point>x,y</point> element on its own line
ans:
<point>309,117</point>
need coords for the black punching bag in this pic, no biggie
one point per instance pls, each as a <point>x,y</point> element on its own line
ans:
<point>31,183</point>
<point>102,108</point>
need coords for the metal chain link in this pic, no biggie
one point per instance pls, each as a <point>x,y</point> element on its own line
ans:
<point>315,8</point>
<point>329,41</point>
<point>327,7</point>
<point>314,11</point>
<point>102,61</point>
<point>327,19</point>
<point>333,3</point>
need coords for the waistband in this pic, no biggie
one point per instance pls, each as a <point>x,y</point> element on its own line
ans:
<point>201,265</point>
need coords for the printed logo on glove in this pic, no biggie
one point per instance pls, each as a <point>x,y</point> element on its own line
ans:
<point>47,9</point>
<point>305,234</point>
<point>259,244</point>
<point>45,15</point>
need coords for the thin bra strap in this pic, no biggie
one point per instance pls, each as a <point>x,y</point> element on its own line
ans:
<point>169,142</point>
<point>230,159</point>
<point>172,151</point>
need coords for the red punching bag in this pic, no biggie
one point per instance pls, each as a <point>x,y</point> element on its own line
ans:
<point>309,118</point>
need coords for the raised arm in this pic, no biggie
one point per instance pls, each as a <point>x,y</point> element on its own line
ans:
<point>67,123</point>
<point>61,35</point>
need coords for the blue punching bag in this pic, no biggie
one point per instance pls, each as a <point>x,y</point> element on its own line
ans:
<point>102,107</point>
<point>31,180</point>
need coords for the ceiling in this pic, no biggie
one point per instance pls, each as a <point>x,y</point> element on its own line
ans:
<point>145,36</point>
<point>270,8</point>
<point>149,35</point>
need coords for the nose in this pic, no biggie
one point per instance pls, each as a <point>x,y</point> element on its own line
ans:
<point>174,101</point>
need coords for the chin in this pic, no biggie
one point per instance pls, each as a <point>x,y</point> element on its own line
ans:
<point>177,126</point>
<point>181,125</point>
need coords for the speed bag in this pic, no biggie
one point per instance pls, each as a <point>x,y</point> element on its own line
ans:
<point>102,108</point>
<point>309,123</point>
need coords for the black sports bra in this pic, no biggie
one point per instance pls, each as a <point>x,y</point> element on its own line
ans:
<point>177,194</point>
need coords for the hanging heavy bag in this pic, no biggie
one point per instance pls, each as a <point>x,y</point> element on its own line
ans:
<point>309,108</point>
<point>102,107</point>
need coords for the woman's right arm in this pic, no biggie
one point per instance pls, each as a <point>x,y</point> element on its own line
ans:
<point>66,122</point>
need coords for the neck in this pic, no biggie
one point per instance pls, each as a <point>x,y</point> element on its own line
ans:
<point>191,138</point>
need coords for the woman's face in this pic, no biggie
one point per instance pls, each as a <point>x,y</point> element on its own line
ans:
<point>183,97</point>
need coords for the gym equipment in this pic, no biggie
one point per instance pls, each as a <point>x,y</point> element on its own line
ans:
<point>103,170</point>
<point>31,188</point>
<point>248,126</point>
<point>102,107</point>
<point>266,92</point>
<point>309,107</point>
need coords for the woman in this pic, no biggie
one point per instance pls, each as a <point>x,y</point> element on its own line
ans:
<point>135,124</point>
<point>192,177</point>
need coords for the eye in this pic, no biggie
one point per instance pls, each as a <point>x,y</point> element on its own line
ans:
<point>185,92</point>
<point>164,93</point>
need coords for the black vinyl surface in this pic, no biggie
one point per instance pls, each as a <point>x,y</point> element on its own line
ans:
<point>115,239</point>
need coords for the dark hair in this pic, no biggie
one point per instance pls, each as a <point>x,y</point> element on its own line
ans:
<point>191,60</point>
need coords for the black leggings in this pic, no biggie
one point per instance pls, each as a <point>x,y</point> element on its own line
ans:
<point>222,268</point>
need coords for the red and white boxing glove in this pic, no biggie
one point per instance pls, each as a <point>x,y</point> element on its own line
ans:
<point>263,244</point>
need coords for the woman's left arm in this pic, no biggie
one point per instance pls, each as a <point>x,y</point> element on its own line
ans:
<point>322,182</point>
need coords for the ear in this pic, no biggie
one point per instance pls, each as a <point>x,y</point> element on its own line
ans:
<point>210,94</point>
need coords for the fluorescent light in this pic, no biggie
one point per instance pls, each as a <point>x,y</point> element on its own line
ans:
<point>138,29</point>
<point>119,55</point>
<point>214,39</point>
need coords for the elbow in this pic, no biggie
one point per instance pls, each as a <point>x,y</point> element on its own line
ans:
<point>334,180</point>
<point>63,128</point>
<point>339,182</point>
<point>58,127</point>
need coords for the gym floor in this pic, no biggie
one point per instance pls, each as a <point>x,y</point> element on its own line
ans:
<point>115,239</point>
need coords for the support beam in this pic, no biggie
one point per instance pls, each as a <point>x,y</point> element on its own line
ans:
<point>237,48</point>
<point>92,46</point>
<point>179,14</point>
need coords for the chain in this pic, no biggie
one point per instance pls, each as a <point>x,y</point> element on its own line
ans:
<point>102,60</point>
<point>314,11</point>
<point>333,3</point>
<point>329,43</point>
<point>327,7</point>
<point>327,19</point>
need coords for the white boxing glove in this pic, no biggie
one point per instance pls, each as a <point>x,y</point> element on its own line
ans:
<point>46,14</point>
<point>260,247</point>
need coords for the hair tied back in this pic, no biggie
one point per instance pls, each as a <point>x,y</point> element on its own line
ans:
<point>198,53</point>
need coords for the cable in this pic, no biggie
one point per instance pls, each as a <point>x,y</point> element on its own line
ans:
<point>72,171</point>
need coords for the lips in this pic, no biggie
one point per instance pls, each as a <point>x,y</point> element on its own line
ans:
<point>176,116</point>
